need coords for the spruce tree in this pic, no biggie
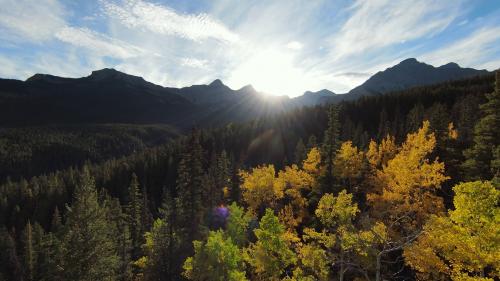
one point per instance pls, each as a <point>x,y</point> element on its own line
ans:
<point>300,152</point>
<point>480,158</point>
<point>134,210</point>
<point>88,244</point>
<point>190,188</point>
<point>29,253</point>
<point>330,145</point>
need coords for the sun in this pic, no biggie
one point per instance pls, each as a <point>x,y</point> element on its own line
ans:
<point>273,72</point>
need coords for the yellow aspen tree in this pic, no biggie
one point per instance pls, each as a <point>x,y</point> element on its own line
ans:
<point>465,245</point>
<point>259,189</point>
<point>348,163</point>
<point>409,182</point>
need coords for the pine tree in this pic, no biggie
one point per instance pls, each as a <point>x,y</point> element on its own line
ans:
<point>29,255</point>
<point>190,188</point>
<point>330,145</point>
<point>56,223</point>
<point>164,254</point>
<point>10,265</point>
<point>119,224</point>
<point>134,212</point>
<point>300,152</point>
<point>480,158</point>
<point>88,245</point>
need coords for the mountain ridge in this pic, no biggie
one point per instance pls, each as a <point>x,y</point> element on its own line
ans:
<point>110,96</point>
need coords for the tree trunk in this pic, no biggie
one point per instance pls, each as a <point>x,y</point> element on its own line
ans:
<point>341,273</point>
<point>379,258</point>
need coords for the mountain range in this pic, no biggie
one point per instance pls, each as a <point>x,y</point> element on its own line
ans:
<point>110,96</point>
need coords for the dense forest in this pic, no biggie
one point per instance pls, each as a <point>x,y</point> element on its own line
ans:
<point>400,186</point>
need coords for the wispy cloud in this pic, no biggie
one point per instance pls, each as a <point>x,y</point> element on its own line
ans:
<point>193,62</point>
<point>379,23</point>
<point>164,20</point>
<point>98,43</point>
<point>281,47</point>
<point>294,45</point>
<point>34,21</point>
<point>474,50</point>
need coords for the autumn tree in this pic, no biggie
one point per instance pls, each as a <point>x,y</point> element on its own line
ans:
<point>259,190</point>
<point>295,184</point>
<point>271,255</point>
<point>337,237</point>
<point>408,185</point>
<point>465,244</point>
<point>348,164</point>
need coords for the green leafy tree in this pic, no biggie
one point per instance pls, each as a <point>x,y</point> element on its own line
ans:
<point>237,225</point>
<point>271,255</point>
<point>338,235</point>
<point>217,259</point>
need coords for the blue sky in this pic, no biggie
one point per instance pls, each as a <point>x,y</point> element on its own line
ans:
<point>281,47</point>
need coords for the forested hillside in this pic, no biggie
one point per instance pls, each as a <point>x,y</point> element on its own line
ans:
<point>397,186</point>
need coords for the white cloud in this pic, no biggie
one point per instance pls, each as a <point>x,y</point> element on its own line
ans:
<point>379,23</point>
<point>474,50</point>
<point>164,20</point>
<point>12,69</point>
<point>294,45</point>
<point>98,43</point>
<point>30,20</point>
<point>195,63</point>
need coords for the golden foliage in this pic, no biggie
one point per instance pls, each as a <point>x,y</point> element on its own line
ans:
<point>464,245</point>
<point>348,162</point>
<point>409,182</point>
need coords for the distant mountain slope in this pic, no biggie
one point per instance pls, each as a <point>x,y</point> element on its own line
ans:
<point>110,96</point>
<point>105,96</point>
<point>313,98</point>
<point>410,73</point>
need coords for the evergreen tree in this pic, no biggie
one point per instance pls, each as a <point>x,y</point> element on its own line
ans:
<point>480,158</point>
<point>134,212</point>
<point>10,266</point>
<point>119,224</point>
<point>164,254</point>
<point>190,188</point>
<point>300,152</point>
<point>29,255</point>
<point>88,245</point>
<point>330,145</point>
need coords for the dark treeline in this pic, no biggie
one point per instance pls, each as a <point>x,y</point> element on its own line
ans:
<point>32,151</point>
<point>136,217</point>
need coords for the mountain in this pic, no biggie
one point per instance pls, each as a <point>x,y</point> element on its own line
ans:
<point>105,96</point>
<point>313,98</point>
<point>111,96</point>
<point>410,73</point>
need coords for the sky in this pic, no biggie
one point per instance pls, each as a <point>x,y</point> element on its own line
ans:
<point>281,47</point>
